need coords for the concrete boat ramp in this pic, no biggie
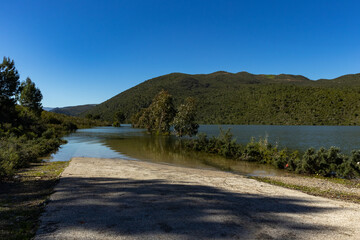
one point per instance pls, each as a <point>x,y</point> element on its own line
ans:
<point>125,199</point>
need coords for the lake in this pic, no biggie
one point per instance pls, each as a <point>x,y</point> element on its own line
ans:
<point>129,143</point>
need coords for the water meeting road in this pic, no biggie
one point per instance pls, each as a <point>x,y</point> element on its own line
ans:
<point>125,199</point>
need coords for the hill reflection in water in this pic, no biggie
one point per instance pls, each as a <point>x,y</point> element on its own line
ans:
<point>128,143</point>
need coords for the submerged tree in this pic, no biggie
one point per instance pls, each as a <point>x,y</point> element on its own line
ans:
<point>184,121</point>
<point>146,120</point>
<point>135,119</point>
<point>30,96</point>
<point>162,112</point>
<point>9,86</point>
<point>158,116</point>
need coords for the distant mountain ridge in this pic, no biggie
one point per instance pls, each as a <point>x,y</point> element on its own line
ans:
<point>245,98</point>
<point>48,108</point>
<point>73,110</point>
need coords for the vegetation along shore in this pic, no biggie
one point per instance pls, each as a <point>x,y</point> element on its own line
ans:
<point>26,131</point>
<point>161,114</point>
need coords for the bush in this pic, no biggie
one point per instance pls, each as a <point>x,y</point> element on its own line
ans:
<point>351,167</point>
<point>325,162</point>
<point>116,124</point>
<point>49,133</point>
<point>69,126</point>
<point>19,152</point>
<point>309,162</point>
<point>252,152</point>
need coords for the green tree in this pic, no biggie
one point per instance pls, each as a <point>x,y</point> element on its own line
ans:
<point>96,117</point>
<point>162,112</point>
<point>184,121</point>
<point>30,96</point>
<point>9,86</point>
<point>135,119</point>
<point>158,116</point>
<point>146,120</point>
<point>119,118</point>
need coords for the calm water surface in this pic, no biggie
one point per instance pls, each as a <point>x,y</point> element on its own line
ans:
<point>128,143</point>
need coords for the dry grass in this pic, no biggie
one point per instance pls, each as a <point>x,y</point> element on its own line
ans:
<point>23,197</point>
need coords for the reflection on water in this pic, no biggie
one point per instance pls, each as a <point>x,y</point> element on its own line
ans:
<point>128,143</point>
<point>168,150</point>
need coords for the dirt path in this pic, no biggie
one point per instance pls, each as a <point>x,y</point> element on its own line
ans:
<point>122,199</point>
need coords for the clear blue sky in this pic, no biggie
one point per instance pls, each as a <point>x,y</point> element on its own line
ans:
<point>80,52</point>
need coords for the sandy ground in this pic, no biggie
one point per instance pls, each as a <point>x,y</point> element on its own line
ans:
<point>122,199</point>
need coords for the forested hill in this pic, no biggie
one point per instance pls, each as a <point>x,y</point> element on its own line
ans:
<point>73,110</point>
<point>244,98</point>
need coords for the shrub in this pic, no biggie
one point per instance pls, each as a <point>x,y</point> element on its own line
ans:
<point>351,167</point>
<point>69,126</point>
<point>252,152</point>
<point>116,124</point>
<point>280,159</point>
<point>325,162</point>
<point>308,162</point>
<point>49,133</point>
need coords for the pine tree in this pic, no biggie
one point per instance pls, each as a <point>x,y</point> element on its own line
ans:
<point>9,86</point>
<point>30,96</point>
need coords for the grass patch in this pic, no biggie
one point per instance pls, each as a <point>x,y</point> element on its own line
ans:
<point>332,194</point>
<point>270,76</point>
<point>342,181</point>
<point>23,198</point>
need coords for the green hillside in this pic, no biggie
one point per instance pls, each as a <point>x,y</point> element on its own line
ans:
<point>73,110</point>
<point>244,98</point>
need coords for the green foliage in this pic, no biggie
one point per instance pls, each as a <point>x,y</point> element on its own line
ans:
<point>161,114</point>
<point>16,152</point>
<point>32,136</point>
<point>244,98</point>
<point>61,121</point>
<point>9,79</point>
<point>77,110</point>
<point>69,126</point>
<point>351,167</point>
<point>119,118</point>
<point>27,132</point>
<point>89,116</point>
<point>325,162</point>
<point>30,96</point>
<point>158,116</point>
<point>142,119</point>
<point>223,145</point>
<point>330,163</point>
<point>184,121</point>
<point>9,84</point>
<point>116,124</point>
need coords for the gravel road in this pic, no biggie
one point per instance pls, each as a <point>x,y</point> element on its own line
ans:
<point>124,199</point>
